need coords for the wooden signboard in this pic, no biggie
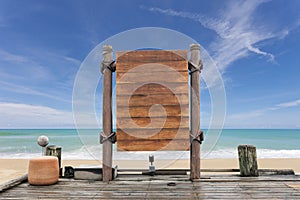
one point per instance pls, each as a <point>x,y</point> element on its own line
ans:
<point>152,100</point>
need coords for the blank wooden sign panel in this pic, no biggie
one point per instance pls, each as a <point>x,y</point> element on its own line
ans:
<point>152,100</point>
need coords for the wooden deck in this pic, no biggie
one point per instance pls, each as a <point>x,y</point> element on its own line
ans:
<point>164,187</point>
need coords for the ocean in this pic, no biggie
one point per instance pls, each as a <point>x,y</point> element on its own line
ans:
<point>84,144</point>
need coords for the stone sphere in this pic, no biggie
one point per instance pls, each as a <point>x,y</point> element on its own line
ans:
<point>43,140</point>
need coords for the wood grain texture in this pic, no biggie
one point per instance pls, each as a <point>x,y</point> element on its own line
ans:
<point>152,77</point>
<point>107,116</point>
<point>152,99</point>
<point>154,122</point>
<point>152,134</point>
<point>154,111</point>
<point>158,66</point>
<point>151,88</point>
<point>248,160</point>
<point>14,182</point>
<point>137,186</point>
<point>151,56</point>
<point>195,115</point>
<point>152,145</point>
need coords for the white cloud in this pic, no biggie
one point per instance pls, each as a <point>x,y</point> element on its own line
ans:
<point>72,60</point>
<point>18,115</point>
<point>236,30</point>
<point>24,66</point>
<point>245,116</point>
<point>261,112</point>
<point>45,69</point>
<point>7,56</point>
<point>239,33</point>
<point>258,51</point>
<point>13,115</point>
<point>286,105</point>
<point>26,90</point>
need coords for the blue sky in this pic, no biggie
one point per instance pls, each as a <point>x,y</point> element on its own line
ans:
<point>255,45</point>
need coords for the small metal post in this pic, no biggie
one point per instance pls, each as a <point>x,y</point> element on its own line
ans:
<point>151,167</point>
<point>44,151</point>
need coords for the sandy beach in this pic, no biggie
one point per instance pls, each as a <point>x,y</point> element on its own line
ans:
<point>13,168</point>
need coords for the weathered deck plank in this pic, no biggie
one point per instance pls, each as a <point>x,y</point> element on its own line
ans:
<point>156,187</point>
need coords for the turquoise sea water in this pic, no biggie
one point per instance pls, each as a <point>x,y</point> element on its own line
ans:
<point>84,144</point>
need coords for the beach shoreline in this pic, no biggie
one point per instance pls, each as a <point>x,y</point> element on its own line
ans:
<point>14,168</point>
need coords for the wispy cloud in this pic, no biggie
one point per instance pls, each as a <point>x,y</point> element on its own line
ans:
<point>237,31</point>
<point>258,51</point>
<point>247,115</point>
<point>261,112</point>
<point>20,115</point>
<point>72,60</point>
<point>26,90</point>
<point>6,56</point>
<point>24,65</point>
<point>286,105</point>
<point>37,58</point>
<point>45,68</point>
<point>23,115</point>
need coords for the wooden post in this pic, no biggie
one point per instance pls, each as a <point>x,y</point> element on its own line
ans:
<point>195,111</point>
<point>53,150</point>
<point>248,160</point>
<point>107,114</point>
<point>13,183</point>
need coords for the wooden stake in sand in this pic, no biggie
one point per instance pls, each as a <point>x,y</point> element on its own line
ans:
<point>248,160</point>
